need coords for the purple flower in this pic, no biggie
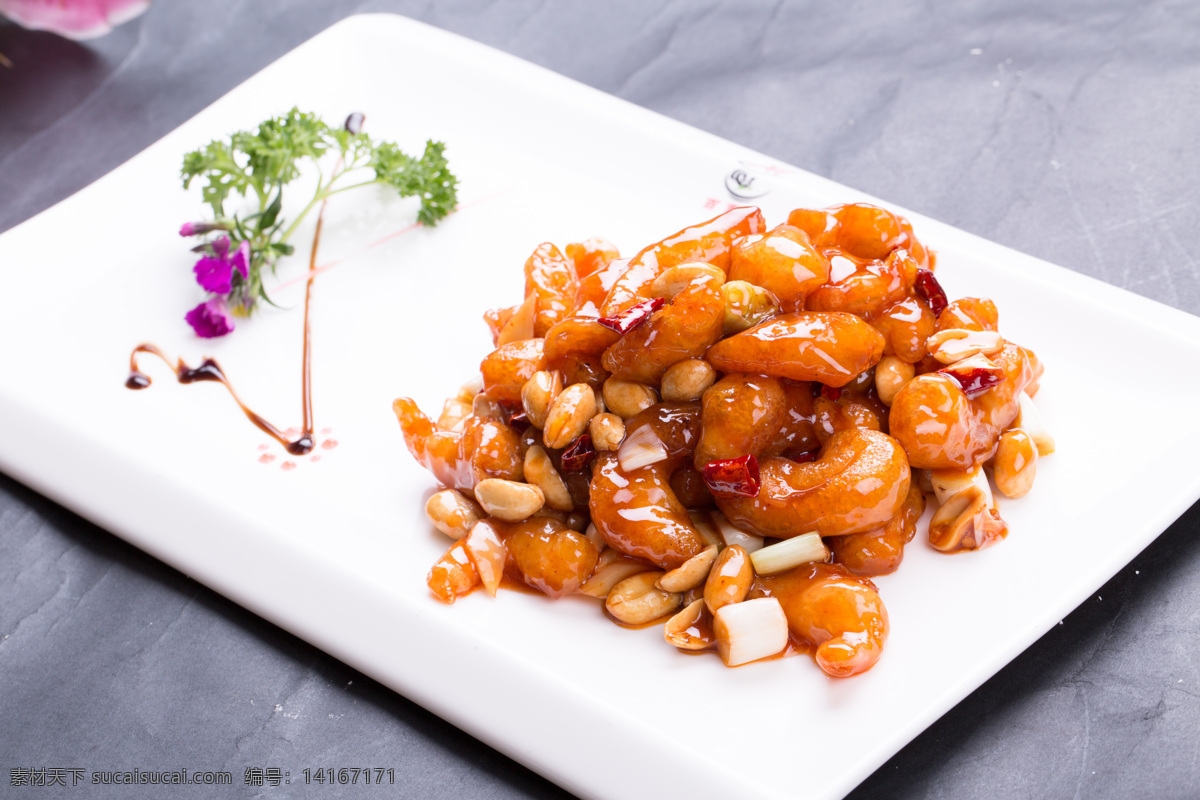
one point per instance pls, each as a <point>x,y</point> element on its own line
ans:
<point>215,272</point>
<point>210,319</point>
<point>199,228</point>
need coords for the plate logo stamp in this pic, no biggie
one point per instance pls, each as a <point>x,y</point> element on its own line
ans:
<point>746,183</point>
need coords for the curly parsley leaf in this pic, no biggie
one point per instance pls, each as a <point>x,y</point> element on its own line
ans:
<point>257,165</point>
<point>428,178</point>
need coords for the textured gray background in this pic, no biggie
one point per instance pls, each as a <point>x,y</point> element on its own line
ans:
<point>1067,130</point>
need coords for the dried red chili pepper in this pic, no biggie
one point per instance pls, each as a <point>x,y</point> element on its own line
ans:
<point>974,375</point>
<point>928,287</point>
<point>578,454</point>
<point>518,421</point>
<point>633,316</point>
<point>732,477</point>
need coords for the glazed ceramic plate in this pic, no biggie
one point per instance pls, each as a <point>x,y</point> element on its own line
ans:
<point>336,549</point>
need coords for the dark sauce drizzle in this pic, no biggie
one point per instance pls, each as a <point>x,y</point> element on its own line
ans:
<point>210,371</point>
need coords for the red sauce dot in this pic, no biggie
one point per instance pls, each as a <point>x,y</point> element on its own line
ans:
<point>317,457</point>
<point>263,446</point>
<point>266,458</point>
<point>288,465</point>
<point>329,444</point>
<point>292,432</point>
<point>326,431</point>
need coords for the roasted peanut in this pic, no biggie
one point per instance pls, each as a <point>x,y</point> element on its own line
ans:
<point>594,536</point>
<point>730,578</point>
<point>612,568</point>
<point>537,395</point>
<point>569,415</point>
<point>509,500</point>
<point>452,513</point>
<point>690,573</point>
<point>607,431</point>
<point>628,398</point>
<point>1015,464</point>
<point>746,305</point>
<point>687,380</point>
<point>890,376</point>
<point>540,472</point>
<point>691,628</point>
<point>955,344</point>
<point>674,280</point>
<point>638,600</point>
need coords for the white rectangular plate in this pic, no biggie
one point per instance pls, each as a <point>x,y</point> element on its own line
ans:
<point>336,551</point>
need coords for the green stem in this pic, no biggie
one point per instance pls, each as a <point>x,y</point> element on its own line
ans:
<point>322,193</point>
<point>300,217</point>
<point>352,186</point>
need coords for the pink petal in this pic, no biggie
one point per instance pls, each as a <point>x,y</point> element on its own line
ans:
<point>214,275</point>
<point>210,319</point>
<point>74,19</point>
<point>241,259</point>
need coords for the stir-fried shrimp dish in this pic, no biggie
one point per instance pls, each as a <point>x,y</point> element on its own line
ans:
<point>731,432</point>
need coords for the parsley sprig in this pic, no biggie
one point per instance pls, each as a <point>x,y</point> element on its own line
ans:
<point>254,167</point>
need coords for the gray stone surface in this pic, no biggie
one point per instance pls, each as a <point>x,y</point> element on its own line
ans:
<point>1066,130</point>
